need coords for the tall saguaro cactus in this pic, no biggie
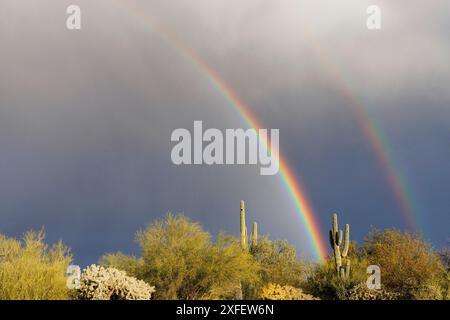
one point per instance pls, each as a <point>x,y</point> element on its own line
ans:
<point>243,227</point>
<point>255,234</point>
<point>340,249</point>
<point>239,293</point>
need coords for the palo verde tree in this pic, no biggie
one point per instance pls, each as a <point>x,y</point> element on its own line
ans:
<point>180,259</point>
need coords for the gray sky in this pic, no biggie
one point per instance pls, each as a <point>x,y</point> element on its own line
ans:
<point>86,116</point>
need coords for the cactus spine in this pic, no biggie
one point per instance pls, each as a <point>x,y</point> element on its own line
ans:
<point>255,234</point>
<point>340,250</point>
<point>243,226</point>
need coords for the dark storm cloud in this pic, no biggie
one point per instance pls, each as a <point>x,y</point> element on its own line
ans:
<point>86,116</point>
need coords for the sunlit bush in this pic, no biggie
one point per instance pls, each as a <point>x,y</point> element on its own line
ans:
<point>31,270</point>
<point>408,264</point>
<point>273,291</point>
<point>182,261</point>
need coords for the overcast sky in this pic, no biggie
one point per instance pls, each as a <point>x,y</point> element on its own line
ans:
<point>86,116</point>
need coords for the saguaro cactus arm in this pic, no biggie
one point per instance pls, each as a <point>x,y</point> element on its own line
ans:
<point>346,240</point>
<point>255,234</point>
<point>347,269</point>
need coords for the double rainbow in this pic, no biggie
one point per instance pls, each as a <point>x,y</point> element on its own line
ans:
<point>287,177</point>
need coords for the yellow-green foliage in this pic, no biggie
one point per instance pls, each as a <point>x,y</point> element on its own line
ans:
<point>180,259</point>
<point>278,260</point>
<point>408,264</point>
<point>99,283</point>
<point>274,291</point>
<point>447,295</point>
<point>445,258</point>
<point>31,270</point>
<point>183,262</point>
<point>278,264</point>
<point>228,266</point>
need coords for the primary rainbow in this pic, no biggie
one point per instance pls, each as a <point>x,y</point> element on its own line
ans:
<point>288,178</point>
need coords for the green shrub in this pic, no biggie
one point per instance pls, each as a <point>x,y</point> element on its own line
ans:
<point>408,264</point>
<point>180,259</point>
<point>273,291</point>
<point>279,263</point>
<point>31,270</point>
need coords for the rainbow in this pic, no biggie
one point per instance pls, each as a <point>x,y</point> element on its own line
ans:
<point>373,135</point>
<point>367,125</point>
<point>287,177</point>
<point>385,160</point>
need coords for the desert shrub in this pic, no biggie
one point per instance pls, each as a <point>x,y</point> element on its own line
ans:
<point>180,259</point>
<point>273,291</point>
<point>362,292</point>
<point>120,261</point>
<point>445,258</point>
<point>227,268</point>
<point>408,264</point>
<point>99,283</point>
<point>32,270</point>
<point>436,291</point>
<point>322,280</point>
<point>447,294</point>
<point>279,263</point>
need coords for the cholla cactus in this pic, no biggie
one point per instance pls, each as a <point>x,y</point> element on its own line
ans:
<point>340,249</point>
<point>274,291</point>
<point>99,283</point>
<point>361,292</point>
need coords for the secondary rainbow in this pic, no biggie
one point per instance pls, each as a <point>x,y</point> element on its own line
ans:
<point>373,134</point>
<point>288,178</point>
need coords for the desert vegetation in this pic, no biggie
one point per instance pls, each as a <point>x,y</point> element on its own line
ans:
<point>30,269</point>
<point>178,259</point>
<point>100,283</point>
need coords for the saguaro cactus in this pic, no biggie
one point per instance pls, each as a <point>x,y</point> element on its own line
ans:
<point>243,226</point>
<point>255,234</point>
<point>340,249</point>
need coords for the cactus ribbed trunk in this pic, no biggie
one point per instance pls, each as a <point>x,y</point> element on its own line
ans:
<point>340,249</point>
<point>255,234</point>
<point>239,293</point>
<point>243,226</point>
